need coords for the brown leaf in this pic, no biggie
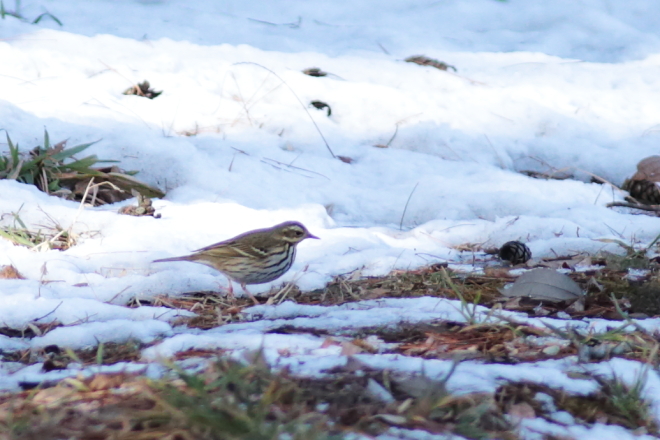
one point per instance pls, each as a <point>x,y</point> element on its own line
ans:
<point>321,105</point>
<point>329,342</point>
<point>648,169</point>
<point>512,303</point>
<point>51,396</point>
<point>364,345</point>
<point>349,349</point>
<point>392,419</point>
<point>497,272</point>
<point>345,159</point>
<point>426,61</point>
<point>142,89</point>
<point>521,411</point>
<point>284,352</point>
<point>106,381</point>
<point>415,385</point>
<point>576,307</point>
<point>314,71</point>
<point>376,293</point>
<point>10,273</point>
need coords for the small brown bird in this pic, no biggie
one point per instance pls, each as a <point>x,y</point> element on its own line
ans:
<point>254,257</point>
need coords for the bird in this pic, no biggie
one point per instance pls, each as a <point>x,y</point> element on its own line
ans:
<point>254,257</point>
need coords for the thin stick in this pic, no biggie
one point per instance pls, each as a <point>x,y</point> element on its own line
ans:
<point>297,98</point>
<point>396,130</point>
<point>495,151</point>
<point>654,208</point>
<point>405,208</point>
<point>383,48</point>
<point>268,161</point>
<point>240,94</point>
<point>49,313</point>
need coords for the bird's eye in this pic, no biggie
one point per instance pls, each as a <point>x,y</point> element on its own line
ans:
<point>299,233</point>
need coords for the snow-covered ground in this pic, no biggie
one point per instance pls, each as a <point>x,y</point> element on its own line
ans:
<point>565,85</point>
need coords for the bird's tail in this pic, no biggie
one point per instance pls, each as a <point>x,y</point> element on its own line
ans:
<point>163,260</point>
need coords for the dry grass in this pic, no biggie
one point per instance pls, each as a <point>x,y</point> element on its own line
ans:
<point>232,401</point>
<point>614,404</point>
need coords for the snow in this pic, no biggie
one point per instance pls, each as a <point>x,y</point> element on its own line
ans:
<point>569,86</point>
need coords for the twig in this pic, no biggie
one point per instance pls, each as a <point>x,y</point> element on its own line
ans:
<point>267,160</point>
<point>240,94</point>
<point>49,313</point>
<point>232,162</point>
<point>297,98</point>
<point>653,208</point>
<point>118,293</point>
<point>117,72</point>
<point>383,48</point>
<point>396,130</point>
<point>405,208</point>
<point>292,25</point>
<point>495,151</point>
<point>240,151</point>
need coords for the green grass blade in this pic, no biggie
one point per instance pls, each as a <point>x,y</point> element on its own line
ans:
<point>71,151</point>
<point>47,14</point>
<point>13,150</point>
<point>46,140</point>
<point>99,354</point>
<point>82,165</point>
<point>16,237</point>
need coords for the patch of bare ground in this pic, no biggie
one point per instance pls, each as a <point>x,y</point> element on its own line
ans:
<point>614,403</point>
<point>237,401</point>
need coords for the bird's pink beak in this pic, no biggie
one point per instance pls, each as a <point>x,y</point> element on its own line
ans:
<point>312,236</point>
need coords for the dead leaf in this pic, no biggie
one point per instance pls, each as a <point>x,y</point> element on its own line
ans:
<point>521,411</point>
<point>648,169</point>
<point>545,285</point>
<point>378,392</point>
<point>144,207</point>
<point>348,349</point>
<point>10,273</point>
<point>106,381</point>
<point>142,89</point>
<point>426,61</point>
<point>353,364</point>
<point>321,105</point>
<point>497,272</point>
<point>255,358</point>
<point>512,304</point>
<point>52,396</point>
<point>415,385</point>
<point>329,342</point>
<point>314,71</point>
<point>392,419</point>
<point>376,293</point>
<point>364,345</point>
<point>577,306</point>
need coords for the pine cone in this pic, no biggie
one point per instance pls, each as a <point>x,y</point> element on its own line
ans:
<point>644,191</point>
<point>515,252</point>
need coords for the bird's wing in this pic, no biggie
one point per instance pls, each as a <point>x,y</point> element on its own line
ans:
<point>233,248</point>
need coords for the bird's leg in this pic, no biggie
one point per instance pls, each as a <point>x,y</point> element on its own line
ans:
<point>229,290</point>
<point>252,297</point>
